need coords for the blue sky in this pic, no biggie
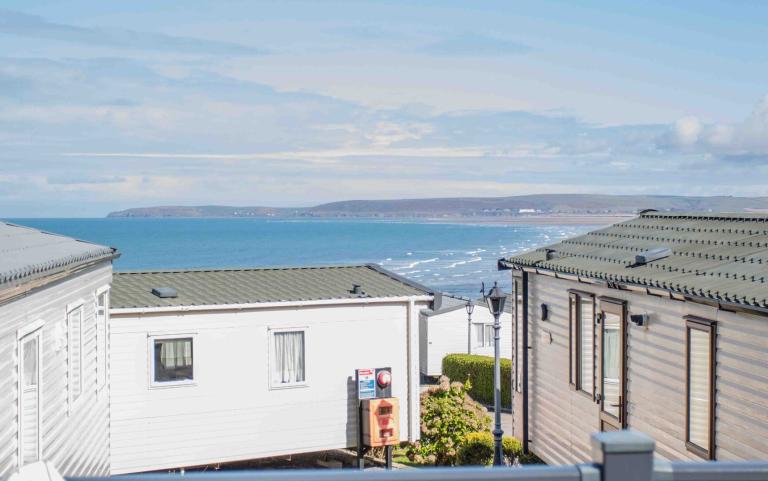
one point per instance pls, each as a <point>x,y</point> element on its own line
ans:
<point>109,105</point>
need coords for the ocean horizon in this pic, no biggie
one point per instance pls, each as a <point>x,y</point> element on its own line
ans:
<point>451,257</point>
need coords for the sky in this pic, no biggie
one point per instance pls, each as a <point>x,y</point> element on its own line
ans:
<point>112,105</point>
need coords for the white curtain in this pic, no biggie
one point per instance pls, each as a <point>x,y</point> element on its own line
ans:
<point>698,395</point>
<point>289,357</point>
<point>176,353</point>
<point>587,335</point>
<point>611,366</point>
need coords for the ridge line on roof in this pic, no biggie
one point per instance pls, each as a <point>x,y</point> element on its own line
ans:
<point>240,269</point>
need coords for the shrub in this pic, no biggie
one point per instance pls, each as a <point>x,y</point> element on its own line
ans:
<point>512,448</point>
<point>448,415</point>
<point>479,370</point>
<point>477,449</point>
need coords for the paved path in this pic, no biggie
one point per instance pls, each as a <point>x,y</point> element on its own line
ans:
<point>506,422</point>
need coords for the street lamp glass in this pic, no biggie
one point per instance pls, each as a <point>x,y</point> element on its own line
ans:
<point>470,306</point>
<point>495,300</point>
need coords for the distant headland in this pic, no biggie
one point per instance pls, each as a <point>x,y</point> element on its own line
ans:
<point>539,208</point>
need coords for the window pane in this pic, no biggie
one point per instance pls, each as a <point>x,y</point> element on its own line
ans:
<point>289,357</point>
<point>30,363</point>
<point>173,359</point>
<point>698,392</point>
<point>587,336</point>
<point>611,364</point>
<point>489,334</point>
<point>479,331</point>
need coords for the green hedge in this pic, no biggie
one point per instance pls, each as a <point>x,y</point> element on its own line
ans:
<point>479,370</point>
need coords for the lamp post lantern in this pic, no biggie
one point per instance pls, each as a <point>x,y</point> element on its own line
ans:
<point>495,298</point>
<point>470,308</point>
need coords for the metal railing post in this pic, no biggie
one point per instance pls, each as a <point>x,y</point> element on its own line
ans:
<point>623,455</point>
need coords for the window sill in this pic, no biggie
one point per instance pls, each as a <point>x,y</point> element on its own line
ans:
<point>697,450</point>
<point>585,394</point>
<point>297,385</point>
<point>172,384</point>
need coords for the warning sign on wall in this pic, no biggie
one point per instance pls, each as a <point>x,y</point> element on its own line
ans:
<point>366,383</point>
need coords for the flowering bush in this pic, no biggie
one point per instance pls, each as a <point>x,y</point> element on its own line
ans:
<point>448,415</point>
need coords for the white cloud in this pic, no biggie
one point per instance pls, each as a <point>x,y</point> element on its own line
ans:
<point>687,130</point>
<point>746,140</point>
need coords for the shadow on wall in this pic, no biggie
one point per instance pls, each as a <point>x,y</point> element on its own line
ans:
<point>351,412</point>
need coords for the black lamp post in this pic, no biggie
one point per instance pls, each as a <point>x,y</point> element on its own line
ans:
<point>470,308</point>
<point>495,298</point>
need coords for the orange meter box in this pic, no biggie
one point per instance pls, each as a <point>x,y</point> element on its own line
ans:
<point>381,422</point>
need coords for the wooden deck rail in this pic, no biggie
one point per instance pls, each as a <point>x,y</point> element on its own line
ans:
<point>618,456</point>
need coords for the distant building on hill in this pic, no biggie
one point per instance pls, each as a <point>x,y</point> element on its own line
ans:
<point>659,324</point>
<point>54,359</point>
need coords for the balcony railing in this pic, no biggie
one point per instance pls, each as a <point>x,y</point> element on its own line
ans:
<point>618,456</point>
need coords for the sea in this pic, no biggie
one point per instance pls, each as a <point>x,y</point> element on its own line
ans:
<point>451,257</point>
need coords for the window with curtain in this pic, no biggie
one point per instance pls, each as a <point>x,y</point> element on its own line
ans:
<point>586,344</point>
<point>173,361</point>
<point>483,334</point>
<point>582,342</point>
<point>700,386</point>
<point>288,360</point>
<point>611,357</point>
<point>75,353</point>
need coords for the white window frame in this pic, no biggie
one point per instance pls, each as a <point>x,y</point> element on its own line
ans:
<point>151,338</point>
<point>273,385</point>
<point>72,399</point>
<point>488,334</point>
<point>102,356</point>
<point>34,329</point>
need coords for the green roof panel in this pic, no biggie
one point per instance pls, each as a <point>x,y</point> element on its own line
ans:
<point>251,286</point>
<point>717,256</point>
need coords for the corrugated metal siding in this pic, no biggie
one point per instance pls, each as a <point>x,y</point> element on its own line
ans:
<point>77,444</point>
<point>230,413</point>
<point>561,420</point>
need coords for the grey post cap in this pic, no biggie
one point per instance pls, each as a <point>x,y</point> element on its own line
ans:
<point>622,442</point>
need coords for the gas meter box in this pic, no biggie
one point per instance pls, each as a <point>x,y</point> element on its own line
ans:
<point>381,422</point>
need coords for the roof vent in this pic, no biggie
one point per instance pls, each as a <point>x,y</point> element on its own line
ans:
<point>164,292</point>
<point>652,255</point>
<point>356,289</point>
